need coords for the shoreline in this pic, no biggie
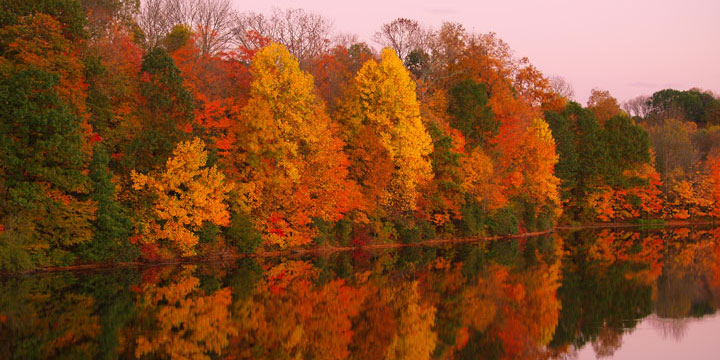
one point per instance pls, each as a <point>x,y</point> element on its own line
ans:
<point>333,249</point>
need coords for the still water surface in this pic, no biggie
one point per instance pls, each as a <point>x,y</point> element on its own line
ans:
<point>617,294</point>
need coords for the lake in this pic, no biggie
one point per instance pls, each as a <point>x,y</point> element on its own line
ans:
<point>603,293</point>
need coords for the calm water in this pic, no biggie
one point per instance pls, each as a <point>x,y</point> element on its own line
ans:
<point>622,294</point>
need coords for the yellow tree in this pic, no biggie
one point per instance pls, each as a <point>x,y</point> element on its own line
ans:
<point>290,161</point>
<point>384,101</point>
<point>186,194</point>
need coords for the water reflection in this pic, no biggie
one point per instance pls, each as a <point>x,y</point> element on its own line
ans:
<point>543,297</point>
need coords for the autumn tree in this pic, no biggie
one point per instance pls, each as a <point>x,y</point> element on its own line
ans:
<point>333,72</point>
<point>535,88</point>
<point>676,155</point>
<point>291,163</point>
<point>603,105</point>
<point>186,195</point>
<point>384,103</point>
<point>713,166</point>
<point>112,67</point>
<point>219,89</point>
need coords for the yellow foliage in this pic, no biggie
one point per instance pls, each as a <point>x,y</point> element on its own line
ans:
<point>186,195</point>
<point>385,101</point>
<point>479,179</point>
<point>291,162</point>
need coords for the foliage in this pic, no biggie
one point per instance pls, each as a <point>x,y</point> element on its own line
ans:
<point>185,195</point>
<point>384,104</point>
<point>110,149</point>
<point>292,167</point>
<point>43,143</point>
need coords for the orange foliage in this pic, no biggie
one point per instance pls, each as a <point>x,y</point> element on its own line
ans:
<point>291,163</point>
<point>635,202</point>
<point>713,165</point>
<point>219,85</point>
<point>603,105</point>
<point>383,99</point>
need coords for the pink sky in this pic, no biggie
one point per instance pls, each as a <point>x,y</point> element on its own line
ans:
<point>630,47</point>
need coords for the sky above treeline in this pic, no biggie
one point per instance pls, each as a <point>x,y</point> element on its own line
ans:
<point>630,47</point>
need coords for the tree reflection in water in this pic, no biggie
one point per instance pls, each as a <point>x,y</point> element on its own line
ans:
<point>542,297</point>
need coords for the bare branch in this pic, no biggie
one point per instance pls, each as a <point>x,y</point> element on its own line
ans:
<point>404,36</point>
<point>304,34</point>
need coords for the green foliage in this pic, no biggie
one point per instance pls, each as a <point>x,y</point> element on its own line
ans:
<point>592,294</point>
<point>177,38</point>
<point>114,305</point>
<point>410,232</point>
<point>504,252</point>
<point>691,105</point>
<point>41,152</point>
<point>473,218</point>
<point>627,144</point>
<point>474,262</point>
<point>242,233</point>
<point>502,222</point>
<point>333,232</point>
<point>112,224</point>
<point>568,166</point>
<point>591,156</point>
<point>13,257</point>
<point>208,232</point>
<point>470,112</point>
<point>417,61</point>
<point>477,221</point>
<point>445,162</point>
<point>168,113</point>
<point>244,278</point>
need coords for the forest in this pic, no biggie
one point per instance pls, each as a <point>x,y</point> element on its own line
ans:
<point>177,128</point>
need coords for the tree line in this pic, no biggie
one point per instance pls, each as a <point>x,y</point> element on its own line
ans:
<point>182,127</point>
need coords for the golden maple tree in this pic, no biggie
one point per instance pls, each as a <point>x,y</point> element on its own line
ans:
<point>383,101</point>
<point>185,195</point>
<point>291,165</point>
